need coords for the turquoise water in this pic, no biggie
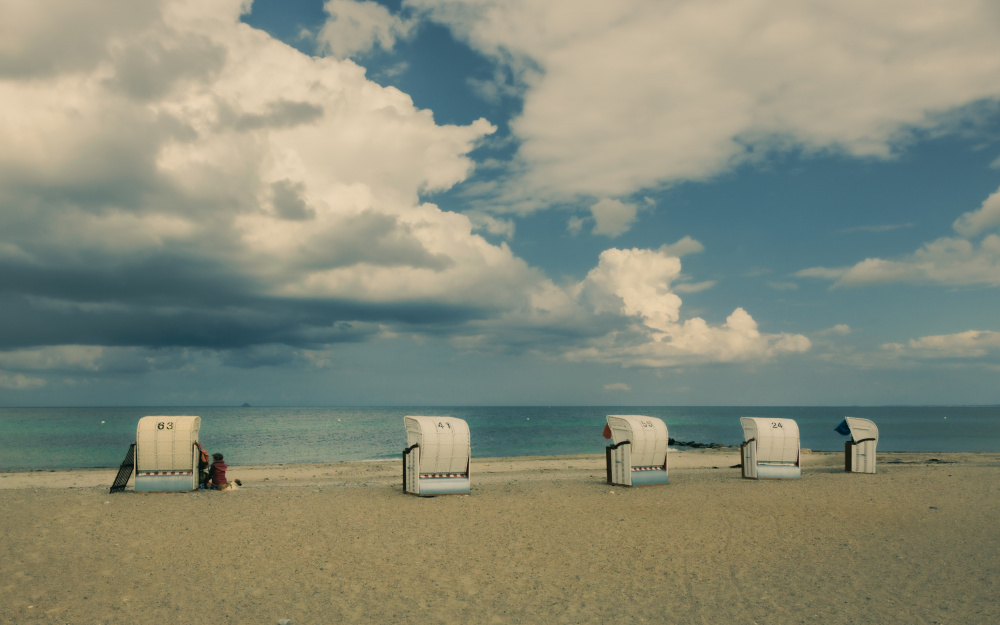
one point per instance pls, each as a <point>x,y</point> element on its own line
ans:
<point>56,438</point>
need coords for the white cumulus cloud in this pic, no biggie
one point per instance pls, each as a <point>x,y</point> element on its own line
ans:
<point>357,27</point>
<point>638,284</point>
<point>623,96</point>
<point>612,218</point>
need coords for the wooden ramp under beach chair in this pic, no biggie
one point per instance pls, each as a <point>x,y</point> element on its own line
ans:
<point>771,449</point>
<point>638,456</point>
<point>437,457</point>
<point>859,452</point>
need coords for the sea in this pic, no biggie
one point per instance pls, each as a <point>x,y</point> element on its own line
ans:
<point>66,438</point>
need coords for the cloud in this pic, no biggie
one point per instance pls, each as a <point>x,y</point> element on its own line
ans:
<point>500,227</point>
<point>951,261</point>
<point>500,86</point>
<point>879,228</point>
<point>357,27</point>
<point>289,203</point>
<point>694,287</point>
<point>618,386</point>
<point>182,191</point>
<point>60,358</point>
<point>20,382</point>
<point>93,361</point>
<point>625,312</point>
<point>972,344</point>
<point>230,207</point>
<point>48,38</point>
<point>683,247</point>
<point>637,284</point>
<point>612,218</point>
<point>631,95</point>
<point>575,225</point>
<point>783,286</point>
<point>946,261</point>
<point>987,217</point>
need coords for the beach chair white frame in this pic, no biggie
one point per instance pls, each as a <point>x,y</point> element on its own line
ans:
<point>859,452</point>
<point>437,456</point>
<point>166,456</point>
<point>638,456</point>
<point>771,449</point>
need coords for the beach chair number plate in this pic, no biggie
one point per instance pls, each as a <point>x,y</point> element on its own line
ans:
<point>165,425</point>
<point>646,424</point>
<point>776,426</point>
<point>444,425</point>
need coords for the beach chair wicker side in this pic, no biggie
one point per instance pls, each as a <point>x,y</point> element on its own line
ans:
<point>748,450</point>
<point>411,469</point>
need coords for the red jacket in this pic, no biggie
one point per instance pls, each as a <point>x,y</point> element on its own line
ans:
<point>217,474</point>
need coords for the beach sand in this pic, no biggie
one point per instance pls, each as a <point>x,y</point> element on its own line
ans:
<point>539,540</point>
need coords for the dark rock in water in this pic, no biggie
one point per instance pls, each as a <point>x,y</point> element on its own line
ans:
<point>694,444</point>
<point>245,405</point>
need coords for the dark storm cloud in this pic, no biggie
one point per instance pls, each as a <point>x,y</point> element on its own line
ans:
<point>184,281</point>
<point>261,356</point>
<point>183,302</point>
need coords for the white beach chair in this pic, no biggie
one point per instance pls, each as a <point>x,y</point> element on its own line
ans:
<point>771,450</point>
<point>638,456</point>
<point>436,459</point>
<point>859,452</point>
<point>166,456</point>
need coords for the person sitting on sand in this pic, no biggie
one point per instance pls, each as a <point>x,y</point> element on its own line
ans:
<point>217,473</point>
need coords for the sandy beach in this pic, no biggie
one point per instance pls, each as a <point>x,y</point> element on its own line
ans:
<point>539,540</point>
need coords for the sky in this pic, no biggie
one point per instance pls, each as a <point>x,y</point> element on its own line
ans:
<point>485,202</point>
